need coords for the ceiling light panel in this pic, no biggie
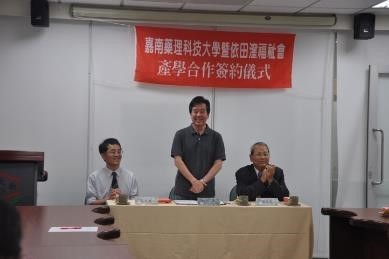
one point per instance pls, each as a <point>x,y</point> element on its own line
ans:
<point>331,10</point>
<point>345,4</point>
<point>384,4</point>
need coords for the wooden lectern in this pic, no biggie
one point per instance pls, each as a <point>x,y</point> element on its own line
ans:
<point>19,173</point>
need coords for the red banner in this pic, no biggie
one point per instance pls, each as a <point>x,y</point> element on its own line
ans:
<point>213,58</point>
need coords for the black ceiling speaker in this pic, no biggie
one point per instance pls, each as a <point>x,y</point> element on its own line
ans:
<point>364,24</point>
<point>40,13</point>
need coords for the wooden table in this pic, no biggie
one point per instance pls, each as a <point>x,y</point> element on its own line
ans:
<point>358,233</point>
<point>227,231</point>
<point>38,243</point>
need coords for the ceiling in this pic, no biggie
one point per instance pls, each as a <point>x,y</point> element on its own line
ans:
<point>247,6</point>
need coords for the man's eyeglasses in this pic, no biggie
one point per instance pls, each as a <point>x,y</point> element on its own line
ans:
<point>115,152</point>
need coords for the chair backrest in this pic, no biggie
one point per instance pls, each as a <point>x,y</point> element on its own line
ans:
<point>172,196</point>
<point>233,194</point>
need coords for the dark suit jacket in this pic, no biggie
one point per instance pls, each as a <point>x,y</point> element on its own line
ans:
<point>248,183</point>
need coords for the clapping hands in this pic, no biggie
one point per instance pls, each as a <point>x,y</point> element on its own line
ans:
<point>268,173</point>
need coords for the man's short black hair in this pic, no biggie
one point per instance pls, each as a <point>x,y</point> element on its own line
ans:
<point>199,100</point>
<point>10,231</point>
<point>103,147</point>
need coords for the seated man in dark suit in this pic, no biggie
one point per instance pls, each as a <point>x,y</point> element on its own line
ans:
<point>261,179</point>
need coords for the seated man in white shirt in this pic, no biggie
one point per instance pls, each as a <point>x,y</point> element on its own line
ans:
<point>108,182</point>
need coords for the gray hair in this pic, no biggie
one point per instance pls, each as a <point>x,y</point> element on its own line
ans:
<point>258,144</point>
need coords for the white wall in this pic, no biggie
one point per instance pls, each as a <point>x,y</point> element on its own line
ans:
<point>52,66</point>
<point>44,101</point>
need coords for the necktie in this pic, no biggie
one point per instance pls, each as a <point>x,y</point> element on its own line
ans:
<point>114,184</point>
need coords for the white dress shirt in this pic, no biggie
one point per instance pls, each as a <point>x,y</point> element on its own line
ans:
<point>99,184</point>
